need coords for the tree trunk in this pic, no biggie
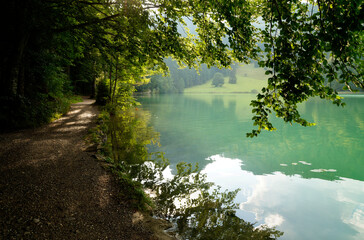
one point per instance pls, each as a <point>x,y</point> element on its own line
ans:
<point>21,80</point>
<point>116,79</point>
<point>110,77</point>
<point>13,71</point>
<point>93,87</point>
<point>14,41</point>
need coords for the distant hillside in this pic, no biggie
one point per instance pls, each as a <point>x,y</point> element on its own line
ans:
<point>249,79</point>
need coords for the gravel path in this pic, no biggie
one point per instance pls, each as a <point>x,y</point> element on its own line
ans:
<point>50,188</point>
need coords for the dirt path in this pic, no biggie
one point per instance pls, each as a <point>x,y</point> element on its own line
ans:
<point>51,189</point>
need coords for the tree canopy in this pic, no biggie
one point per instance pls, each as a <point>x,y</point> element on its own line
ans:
<point>50,48</point>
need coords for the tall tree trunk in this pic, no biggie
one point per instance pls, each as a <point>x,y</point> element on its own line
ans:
<point>14,42</point>
<point>110,77</point>
<point>116,79</point>
<point>93,86</point>
<point>21,80</point>
<point>15,68</point>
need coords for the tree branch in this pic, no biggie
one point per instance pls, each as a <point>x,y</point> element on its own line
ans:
<point>82,25</point>
<point>98,3</point>
<point>150,6</point>
<point>279,13</point>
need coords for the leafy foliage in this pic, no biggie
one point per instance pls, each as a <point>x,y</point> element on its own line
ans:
<point>305,44</point>
<point>51,48</point>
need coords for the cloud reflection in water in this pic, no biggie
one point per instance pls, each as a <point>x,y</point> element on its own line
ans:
<point>292,203</point>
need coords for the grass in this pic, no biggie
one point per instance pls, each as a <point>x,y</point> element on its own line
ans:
<point>248,80</point>
<point>243,85</point>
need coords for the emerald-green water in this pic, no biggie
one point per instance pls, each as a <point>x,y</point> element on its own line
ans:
<point>308,182</point>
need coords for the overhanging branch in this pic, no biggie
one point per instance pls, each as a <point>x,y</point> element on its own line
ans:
<point>85,24</point>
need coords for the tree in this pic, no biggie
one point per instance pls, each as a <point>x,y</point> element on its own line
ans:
<point>232,75</point>
<point>218,80</point>
<point>179,84</point>
<point>302,44</point>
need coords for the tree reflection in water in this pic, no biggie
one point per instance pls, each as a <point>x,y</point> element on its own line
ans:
<point>199,209</point>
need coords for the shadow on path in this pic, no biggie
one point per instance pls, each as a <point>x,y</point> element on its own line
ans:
<point>51,189</point>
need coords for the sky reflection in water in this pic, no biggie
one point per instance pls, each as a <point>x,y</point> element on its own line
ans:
<point>309,182</point>
<point>323,209</point>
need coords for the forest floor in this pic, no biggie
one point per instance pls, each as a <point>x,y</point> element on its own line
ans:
<point>52,187</point>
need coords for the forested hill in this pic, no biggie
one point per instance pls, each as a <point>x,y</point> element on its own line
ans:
<point>237,79</point>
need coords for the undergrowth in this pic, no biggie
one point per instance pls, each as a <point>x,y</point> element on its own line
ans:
<point>21,112</point>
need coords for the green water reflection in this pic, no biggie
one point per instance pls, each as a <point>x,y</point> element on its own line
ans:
<point>306,181</point>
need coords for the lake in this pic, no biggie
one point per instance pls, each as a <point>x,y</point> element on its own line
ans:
<point>306,181</point>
